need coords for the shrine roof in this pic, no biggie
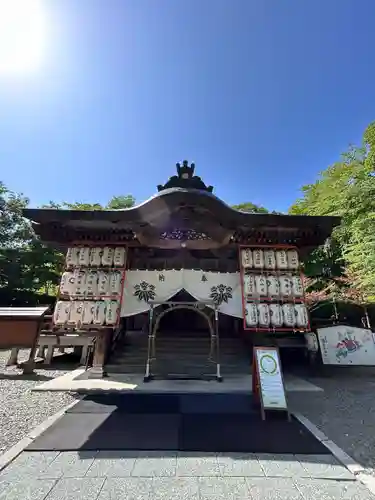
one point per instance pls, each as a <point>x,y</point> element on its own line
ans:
<point>184,202</point>
<point>169,201</point>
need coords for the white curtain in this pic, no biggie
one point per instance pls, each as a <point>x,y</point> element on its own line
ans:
<point>140,287</point>
<point>223,288</point>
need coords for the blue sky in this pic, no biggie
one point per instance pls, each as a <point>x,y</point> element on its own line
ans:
<point>261,94</point>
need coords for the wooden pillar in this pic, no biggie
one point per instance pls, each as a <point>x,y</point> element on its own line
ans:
<point>100,354</point>
<point>41,350</point>
<point>13,358</point>
<point>28,367</point>
<point>77,350</point>
<point>49,357</point>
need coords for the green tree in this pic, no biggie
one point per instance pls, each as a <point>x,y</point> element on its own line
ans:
<point>119,202</point>
<point>25,263</point>
<point>347,189</point>
<point>250,207</point>
<point>14,230</point>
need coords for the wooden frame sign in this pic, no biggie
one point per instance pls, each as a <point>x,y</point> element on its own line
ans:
<point>268,380</point>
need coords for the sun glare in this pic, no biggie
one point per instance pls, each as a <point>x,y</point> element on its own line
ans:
<point>22,35</point>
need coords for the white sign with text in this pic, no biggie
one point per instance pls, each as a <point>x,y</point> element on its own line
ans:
<point>270,379</point>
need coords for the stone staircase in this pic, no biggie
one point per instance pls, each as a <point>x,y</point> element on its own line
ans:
<point>183,354</point>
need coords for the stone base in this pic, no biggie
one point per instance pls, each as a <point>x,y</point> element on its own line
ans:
<point>97,372</point>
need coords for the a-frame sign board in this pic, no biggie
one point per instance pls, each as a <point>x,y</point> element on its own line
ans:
<point>268,381</point>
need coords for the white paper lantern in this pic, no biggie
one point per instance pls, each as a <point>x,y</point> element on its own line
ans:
<point>91,283</point>
<point>84,257</point>
<point>281,259</point>
<point>99,313</point>
<point>76,314</point>
<point>263,315</point>
<point>61,312</point>
<point>292,256</point>
<point>276,315</point>
<point>111,313</point>
<point>302,319</point>
<point>269,259</point>
<point>119,256</point>
<point>103,283</point>
<point>115,282</point>
<point>258,258</point>
<point>261,285</point>
<point>273,286</point>
<point>72,257</point>
<point>67,283</point>
<point>289,315</point>
<point>247,258</point>
<point>297,286</point>
<point>80,282</point>
<point>88,313</point>
<point>285,286</point>
<point>107,256</point>
<point>249,289</point>
<point>95,256</point>
<point>251,314</point>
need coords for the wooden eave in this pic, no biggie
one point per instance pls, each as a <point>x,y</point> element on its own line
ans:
<point>179,208</point>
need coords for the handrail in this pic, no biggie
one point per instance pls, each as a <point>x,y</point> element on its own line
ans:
<point>116,336</point>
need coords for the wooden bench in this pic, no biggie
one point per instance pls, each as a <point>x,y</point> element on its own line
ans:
<point>50,342</point>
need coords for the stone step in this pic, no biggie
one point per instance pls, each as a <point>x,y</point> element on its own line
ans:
<point>184,349</point>
<point>189,361</point>
<point>134,341</point>
<point>140,369</point>
<point>179,354</point>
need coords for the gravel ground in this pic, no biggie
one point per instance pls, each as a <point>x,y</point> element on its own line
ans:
<point>20,409</point>
<point>345,412</point>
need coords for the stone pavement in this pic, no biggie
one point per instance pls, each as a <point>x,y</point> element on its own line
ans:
<point>106,475</point>
<point>344,411</point>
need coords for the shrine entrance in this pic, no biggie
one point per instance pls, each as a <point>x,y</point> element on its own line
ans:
<point>183,341</point>
<point>180,319</point>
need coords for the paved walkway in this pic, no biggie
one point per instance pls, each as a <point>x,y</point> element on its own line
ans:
<point>159,475</point>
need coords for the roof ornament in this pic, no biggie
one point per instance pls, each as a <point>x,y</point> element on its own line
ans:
<point>185,179</point>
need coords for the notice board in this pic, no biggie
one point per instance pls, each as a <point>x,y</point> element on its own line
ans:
<point>268,381</point>
<point>347,345</point>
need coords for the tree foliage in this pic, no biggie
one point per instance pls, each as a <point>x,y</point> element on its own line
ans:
<point>120,202</point>
<point>347,189</point>
<point>14,230</point>
<point>250,208</point>
<point>25,262</point>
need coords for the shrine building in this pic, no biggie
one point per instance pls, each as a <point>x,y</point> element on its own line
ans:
<point>181,285</point>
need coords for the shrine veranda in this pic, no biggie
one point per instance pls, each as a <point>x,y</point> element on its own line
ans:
<point>184,249</point>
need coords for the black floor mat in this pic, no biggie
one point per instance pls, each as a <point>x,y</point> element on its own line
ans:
<point>239,433</point>
<point>115,431</point>
<point>165,403</point>
<point>188,431</point>
<point>128,403</point>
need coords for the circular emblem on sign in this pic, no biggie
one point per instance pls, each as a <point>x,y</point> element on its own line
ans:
<point>268,364</point>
